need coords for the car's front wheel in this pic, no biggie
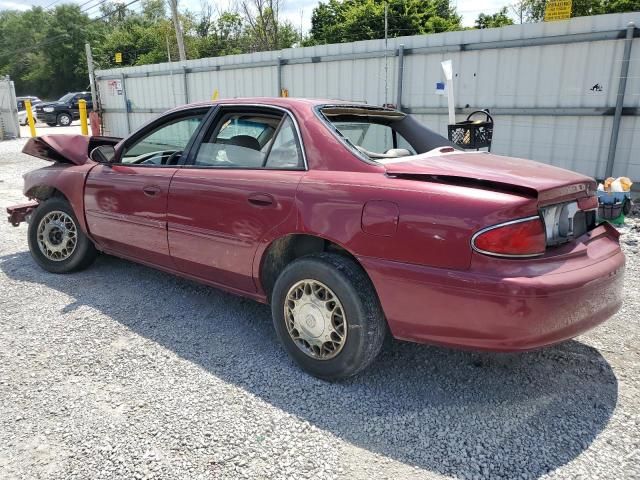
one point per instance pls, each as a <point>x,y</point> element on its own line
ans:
<point>327,315</point>
<point>56,241</point>
<point>64,119</point>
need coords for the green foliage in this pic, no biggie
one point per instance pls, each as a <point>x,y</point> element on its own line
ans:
<point>43,51</point>
<point>499,19</point>
<point>533,10</point>
<point>350,20</point>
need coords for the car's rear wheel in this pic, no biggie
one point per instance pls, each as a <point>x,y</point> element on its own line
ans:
<point>64,119</point>
<point>327,315</point>
<point>56,241</point>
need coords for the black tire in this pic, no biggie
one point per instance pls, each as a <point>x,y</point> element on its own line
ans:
<point>82,255</point>
<point>65,119</point>
<point>52,124</point>
<point>366,324</point>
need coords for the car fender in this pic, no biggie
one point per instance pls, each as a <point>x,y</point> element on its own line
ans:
<point>69,180</point>
<point>423,223</point>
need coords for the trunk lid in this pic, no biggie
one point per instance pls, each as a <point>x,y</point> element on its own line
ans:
<point>547,183</point>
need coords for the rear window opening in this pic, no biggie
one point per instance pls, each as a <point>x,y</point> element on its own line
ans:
<point>381,134</point>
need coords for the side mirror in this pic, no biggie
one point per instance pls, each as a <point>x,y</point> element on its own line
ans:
<point>103,154</point>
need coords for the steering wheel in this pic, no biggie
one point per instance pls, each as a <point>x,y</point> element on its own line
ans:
<point>148,159</point>
<point>172,158</point>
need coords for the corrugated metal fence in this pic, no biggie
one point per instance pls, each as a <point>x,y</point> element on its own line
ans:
<point>9,127</point>
<point>553,87</point>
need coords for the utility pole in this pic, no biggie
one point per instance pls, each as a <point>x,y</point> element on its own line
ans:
<point>176,23</point>
<point>386,61</point>
<point>92,83</point>
<point>301,15</point>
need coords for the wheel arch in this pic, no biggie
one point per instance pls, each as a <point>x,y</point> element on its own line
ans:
<point>289,247</point>
<point>60,181</point>
<point>44,192</point>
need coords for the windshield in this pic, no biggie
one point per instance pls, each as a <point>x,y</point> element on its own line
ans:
<point>380,133</point>
<point>66,98</point>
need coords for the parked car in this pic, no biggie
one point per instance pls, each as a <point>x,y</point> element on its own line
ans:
<point>22,109</point>
<point>352,221</point>
<point>65,110</point>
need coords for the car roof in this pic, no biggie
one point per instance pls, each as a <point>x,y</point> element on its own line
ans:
<point>284,102</point>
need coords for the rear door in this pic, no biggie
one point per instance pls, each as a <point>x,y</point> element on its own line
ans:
<point>126,202</point>
<point>239,185</point>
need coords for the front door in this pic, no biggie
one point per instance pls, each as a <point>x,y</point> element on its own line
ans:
<point>126,202</point>
<point>240,185</point>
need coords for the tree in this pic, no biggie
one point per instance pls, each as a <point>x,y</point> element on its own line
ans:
<point>620,6</point>
<point>350,20</point>
<point>533,10</point>
<point>498,19</point>
<point>264,29</point>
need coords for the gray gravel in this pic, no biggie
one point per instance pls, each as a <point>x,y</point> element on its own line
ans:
<point>121,371</point>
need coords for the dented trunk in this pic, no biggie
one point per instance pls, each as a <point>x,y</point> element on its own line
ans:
<point>546,183</point>
<point>73,149</point>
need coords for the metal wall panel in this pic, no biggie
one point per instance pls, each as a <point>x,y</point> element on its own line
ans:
<point>9,127</point>
<point>545,68</point>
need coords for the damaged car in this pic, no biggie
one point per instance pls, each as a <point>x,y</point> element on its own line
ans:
<point>352,221</point>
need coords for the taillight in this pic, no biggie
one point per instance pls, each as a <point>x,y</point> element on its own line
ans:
<point>519,238</point>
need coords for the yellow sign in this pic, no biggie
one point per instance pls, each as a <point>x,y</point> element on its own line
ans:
<point>215,95</point>
<point>118,57</point>
<point>557,10</point>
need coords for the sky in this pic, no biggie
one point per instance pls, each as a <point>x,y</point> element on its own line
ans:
<point>297,12</point>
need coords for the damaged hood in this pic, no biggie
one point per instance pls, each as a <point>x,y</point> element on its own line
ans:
<point>65,148</point>
<point>487,170</point>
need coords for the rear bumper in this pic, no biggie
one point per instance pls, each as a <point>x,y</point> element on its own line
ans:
<point>19,213</point>
<point>559,298</point>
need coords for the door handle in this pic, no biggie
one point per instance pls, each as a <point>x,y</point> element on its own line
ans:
<point>261,199</point>
<point>151,190</point>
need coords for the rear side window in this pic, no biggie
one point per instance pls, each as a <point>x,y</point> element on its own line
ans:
<point>253,141</point>
<point>285,151</point>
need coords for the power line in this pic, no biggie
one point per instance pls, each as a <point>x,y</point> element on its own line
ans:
<point>51,40</point>
<point>51,4</point>
<point>83,10</point>
<point>115,11</point>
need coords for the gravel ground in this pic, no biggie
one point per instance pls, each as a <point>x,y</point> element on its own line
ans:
<point>121,371</point>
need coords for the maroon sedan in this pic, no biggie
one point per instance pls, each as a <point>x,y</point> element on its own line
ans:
<point>352,221</point>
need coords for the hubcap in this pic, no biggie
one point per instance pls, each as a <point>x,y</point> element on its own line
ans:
<point>64,120</point>
<point>57,236</point>
<point>315,319</point>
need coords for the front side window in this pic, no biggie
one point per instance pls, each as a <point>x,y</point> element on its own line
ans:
<point>251,140</point>
<point>163,143</point>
